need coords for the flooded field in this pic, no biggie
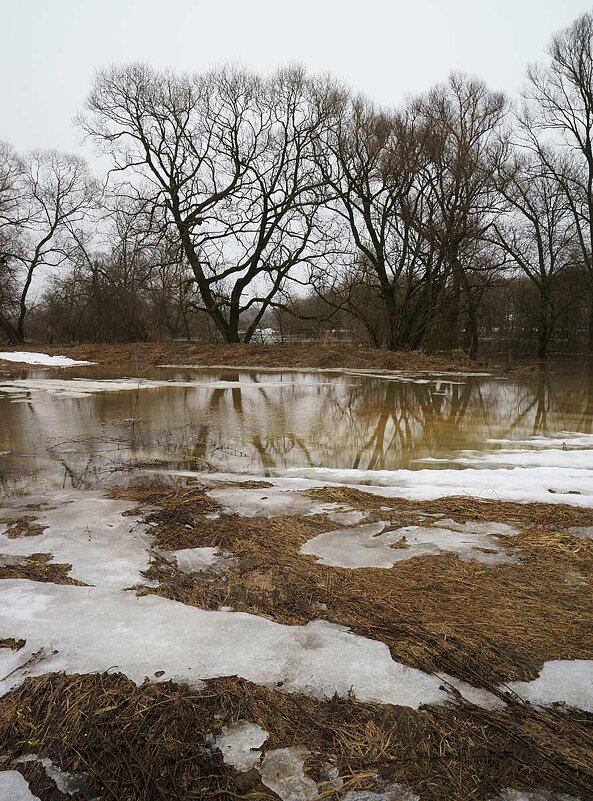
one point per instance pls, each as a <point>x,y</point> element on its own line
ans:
<point>74,427</point>
<point>318,584</point>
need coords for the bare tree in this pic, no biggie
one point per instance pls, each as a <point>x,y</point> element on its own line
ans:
<point>51,195</point>
<point>537,234</point>
<point>558,104</point>
<point>464,146</point>
<point>369,159</point>
<point>224,159</point>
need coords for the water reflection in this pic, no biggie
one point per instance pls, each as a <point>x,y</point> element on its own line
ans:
<point>277,420</point>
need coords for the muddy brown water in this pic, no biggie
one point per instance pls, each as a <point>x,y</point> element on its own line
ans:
<point>256,421</point>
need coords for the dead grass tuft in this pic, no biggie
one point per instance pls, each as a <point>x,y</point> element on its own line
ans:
<point>153,742</point>
<point>38,567</point>
<point>22,526</point>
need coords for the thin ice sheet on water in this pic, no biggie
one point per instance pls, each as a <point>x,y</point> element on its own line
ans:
<point>24,357</point>
<point>83,387</point>
<point>368,545</point>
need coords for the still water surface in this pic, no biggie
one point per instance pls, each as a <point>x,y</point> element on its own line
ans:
<point>71,428</point>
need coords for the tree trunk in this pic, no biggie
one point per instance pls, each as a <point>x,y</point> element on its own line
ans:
<point>10,331</point>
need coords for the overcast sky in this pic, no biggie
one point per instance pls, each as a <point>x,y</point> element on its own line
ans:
<point>49,49</point>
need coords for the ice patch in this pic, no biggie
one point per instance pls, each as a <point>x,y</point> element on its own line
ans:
<point>283,771</point>
<point>14,787</point>
<point>395,792</point>
<point>585,532</point>
<point>25,357</point>
<point>347,518</point>
<point>196,560</point>
<point>87,629</point>
<point>90,533</point>
<point>271,501</point>
<point>240,744</point>
<point>366,546</point>
<point>567,681</point>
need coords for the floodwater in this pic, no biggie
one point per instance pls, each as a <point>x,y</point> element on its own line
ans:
<point>80,427</point>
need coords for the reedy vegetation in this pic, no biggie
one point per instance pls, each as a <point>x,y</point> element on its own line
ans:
<point>236,202</point>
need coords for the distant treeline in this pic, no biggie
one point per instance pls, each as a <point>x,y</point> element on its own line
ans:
<point>236,204</point>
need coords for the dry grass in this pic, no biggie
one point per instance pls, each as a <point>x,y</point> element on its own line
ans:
<point>10,642</point>
<point>136,356</point>
<point>152,742</point>
<point>38,567</point>
<point>22,526</point>
<point>486,624</point>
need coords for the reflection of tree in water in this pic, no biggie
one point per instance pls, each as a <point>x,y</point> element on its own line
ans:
<point>321,420</point>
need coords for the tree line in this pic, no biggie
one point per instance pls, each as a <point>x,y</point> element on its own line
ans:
<point>236,202</point>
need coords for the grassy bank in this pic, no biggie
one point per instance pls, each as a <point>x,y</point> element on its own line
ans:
<point>137,356</point>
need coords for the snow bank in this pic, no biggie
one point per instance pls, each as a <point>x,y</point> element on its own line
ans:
<point>25,357</point>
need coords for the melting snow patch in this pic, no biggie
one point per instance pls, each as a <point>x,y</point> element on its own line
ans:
<point>91,534</point>
<point>240,744</point>
<point>24,357</point>
<point>87,629</point>
<point>366,546</point>
<point>196,560</point>
<point>283,771</point>
<point>14,787</point>
<point>563,681</point>
<point>572,485</point>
